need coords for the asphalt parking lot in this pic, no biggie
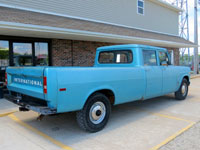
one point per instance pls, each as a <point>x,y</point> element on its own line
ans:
<point>160,123</point>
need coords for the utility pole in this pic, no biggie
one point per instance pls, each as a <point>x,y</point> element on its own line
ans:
<point>196,54</point>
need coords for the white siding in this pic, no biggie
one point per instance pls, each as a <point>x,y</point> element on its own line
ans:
<point>122,12</point>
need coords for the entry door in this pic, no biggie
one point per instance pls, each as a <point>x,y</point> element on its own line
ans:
<point>22,54</point>
<point>153,74</point>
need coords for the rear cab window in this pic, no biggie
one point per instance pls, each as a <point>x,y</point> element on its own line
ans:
<point>149,57</point>
<point>116,57</point>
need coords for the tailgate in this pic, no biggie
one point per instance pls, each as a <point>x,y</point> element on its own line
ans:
<point>26,80</point>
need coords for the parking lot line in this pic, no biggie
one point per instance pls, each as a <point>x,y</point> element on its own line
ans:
<point>172,137</point>
<point>172,117</point>
<point>163,115</point>
<point>175,134</point>
<point>6,114</point>
<point>61,145</point>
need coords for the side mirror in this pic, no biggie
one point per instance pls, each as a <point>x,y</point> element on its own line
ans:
<point>164,63</point>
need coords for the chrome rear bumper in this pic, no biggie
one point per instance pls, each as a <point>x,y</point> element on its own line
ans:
<point>44,110</point>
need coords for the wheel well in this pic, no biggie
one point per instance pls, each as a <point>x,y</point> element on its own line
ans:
<point>108,93</point>
<point>186,77</point>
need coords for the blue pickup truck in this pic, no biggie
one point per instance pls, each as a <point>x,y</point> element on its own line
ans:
<point>121,74</point>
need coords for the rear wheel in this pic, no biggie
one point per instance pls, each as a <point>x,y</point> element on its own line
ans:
<point>182,92</point>
<point>95,114</point>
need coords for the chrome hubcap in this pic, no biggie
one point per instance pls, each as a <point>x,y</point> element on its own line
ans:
<point>97,112</point>
<point>184,89</point>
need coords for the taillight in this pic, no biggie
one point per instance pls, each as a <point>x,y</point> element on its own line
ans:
<point>45,85</point>
<point>6,80</point>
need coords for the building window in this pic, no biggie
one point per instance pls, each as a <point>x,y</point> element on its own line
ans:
<point>4,53</point>
<point>41,54</point>
<point>4,58</point>
<point>22,54</point>
<point>140,7</point>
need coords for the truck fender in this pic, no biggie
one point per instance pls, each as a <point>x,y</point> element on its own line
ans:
<point>180,79</point>
<point>92,91</point>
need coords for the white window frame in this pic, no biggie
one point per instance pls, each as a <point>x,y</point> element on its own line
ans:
<point>140,7</point>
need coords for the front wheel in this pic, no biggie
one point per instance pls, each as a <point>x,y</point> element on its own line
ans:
<point>182,92</point>
<point>95,114</point>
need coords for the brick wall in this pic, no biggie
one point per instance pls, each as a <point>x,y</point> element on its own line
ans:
<point>176,56</point>
<point>82,52</point>
<point>61,52</point>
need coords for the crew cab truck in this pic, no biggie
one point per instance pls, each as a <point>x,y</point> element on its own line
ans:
<point>121,74</point>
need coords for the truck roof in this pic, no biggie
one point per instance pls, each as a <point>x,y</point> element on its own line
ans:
<point>113,47</point>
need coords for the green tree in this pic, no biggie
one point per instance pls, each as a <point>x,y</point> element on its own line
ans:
<point>4,54</point>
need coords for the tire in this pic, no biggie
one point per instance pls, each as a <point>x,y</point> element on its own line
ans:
<point>95,114</point>
<point>182,92</point>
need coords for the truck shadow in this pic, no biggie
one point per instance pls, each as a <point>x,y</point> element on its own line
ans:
<point>64,128</point>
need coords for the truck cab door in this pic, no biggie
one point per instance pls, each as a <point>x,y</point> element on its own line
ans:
<point>168,72</point>
<point>153,74</point>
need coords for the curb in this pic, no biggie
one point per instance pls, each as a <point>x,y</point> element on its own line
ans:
<point>194,76</point>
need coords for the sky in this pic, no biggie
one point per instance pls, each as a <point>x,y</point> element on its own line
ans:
<point>191,21</point>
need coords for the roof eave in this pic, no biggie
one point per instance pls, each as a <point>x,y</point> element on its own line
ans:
<point>15,29</point>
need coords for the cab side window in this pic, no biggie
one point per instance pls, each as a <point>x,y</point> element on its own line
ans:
<point>149,58</point>
<point>163,57</point>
